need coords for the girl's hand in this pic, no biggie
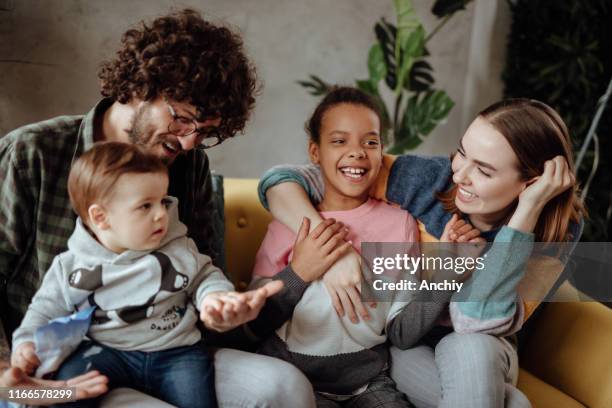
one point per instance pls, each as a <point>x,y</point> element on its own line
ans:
<point>343,283</point>
<point>469,243</point>
<point>457,230</point>
<point>315,252</point>
<point>555,179</point>
<point>25,358</point>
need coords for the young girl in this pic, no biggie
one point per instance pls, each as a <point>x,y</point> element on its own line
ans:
<point>512,178</point>
<point>346,363</point>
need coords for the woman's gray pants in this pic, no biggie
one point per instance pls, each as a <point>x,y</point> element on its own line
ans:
<point>465,370</point>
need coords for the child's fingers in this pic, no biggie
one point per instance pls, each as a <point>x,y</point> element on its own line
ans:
<point>453,220</point>
<point>28,368</point>
<point>347,304</point>
<point>256,300</point>
<point>89,385</point>
<point>356,299</point>
<point>93,390</point>
<point>73,382</point>
<point>338,253</point>
<point>329,232</point>
<point>30,355</point>
<point>316,233</point>
<point>336,302</point>
<point>240,304</point>
<point>211,315</point>
<point>86,391</point>
<point>334,240</point>
<point>13,376</point>
<point>457,224</point>
<point>448,228</point>
<point>228,313</point>
<point>471,234</point>
<point>214,302</point>
<point>462,230</point>
<point>478,240</point>
<point>26,359</point>
<point>233,300</point>
<point>216,314</point>
<point>272,288</point>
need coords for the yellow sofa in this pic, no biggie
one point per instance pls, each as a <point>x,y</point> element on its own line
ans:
<point>566,363</point>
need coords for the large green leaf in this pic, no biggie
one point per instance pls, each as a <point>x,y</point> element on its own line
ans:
<point>423,112</point>
<point>411,142</point>
<point>412,49</point>
<point>376,64</point>
<point>443,8</point>
<point>407,22</point>
<point>421,77</point>
<point>385,33</point>
<point>316,86</point>
<point>372,89</point>
<point>367,86</point>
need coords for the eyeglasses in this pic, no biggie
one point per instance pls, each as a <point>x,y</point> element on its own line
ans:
<point>182,126</point>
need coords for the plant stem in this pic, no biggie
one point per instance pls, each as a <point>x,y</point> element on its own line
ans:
<point>398,102</point>
<point>438,27</point>
<point>444,21</point>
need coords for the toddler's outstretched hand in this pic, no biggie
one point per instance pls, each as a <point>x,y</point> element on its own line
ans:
<point>222,311</point>
<point>25,357</point>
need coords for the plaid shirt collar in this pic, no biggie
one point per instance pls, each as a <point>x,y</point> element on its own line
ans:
<point>85,137</point>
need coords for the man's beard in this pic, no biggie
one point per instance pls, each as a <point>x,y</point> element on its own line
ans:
<point>142,133</point>
<point>139,134</point>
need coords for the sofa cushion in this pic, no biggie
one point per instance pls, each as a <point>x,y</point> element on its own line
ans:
<point>246,223</point>
<point>543,395</point>
<point>570,350</point>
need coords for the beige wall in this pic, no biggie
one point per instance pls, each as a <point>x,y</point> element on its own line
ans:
<point>60,44</point>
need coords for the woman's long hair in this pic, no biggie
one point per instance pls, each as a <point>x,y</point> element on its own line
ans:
<point>536,134</point>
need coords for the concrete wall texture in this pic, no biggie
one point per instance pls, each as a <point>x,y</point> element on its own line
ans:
<point>50,51</point>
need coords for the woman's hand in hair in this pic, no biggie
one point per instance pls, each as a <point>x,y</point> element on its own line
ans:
<point>555,179</point>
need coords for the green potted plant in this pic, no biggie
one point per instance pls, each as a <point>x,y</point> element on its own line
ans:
<point>398,59</point>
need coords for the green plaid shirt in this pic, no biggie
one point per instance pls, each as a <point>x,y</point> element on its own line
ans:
<point>36,218</point>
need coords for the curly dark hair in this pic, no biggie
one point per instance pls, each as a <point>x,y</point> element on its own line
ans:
<point>187,59</point>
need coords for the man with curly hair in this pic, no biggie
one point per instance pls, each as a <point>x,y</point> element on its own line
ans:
<point>177,86</point>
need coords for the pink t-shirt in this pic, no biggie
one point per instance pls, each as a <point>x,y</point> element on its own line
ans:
<point>373,221</point>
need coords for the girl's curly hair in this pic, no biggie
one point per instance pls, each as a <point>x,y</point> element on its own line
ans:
<point>184,58</point>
